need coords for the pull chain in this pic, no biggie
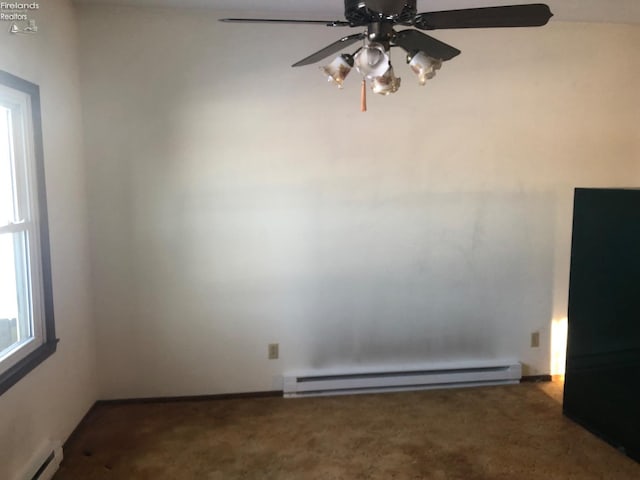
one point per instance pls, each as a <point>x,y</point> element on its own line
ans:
<point>363,96</point>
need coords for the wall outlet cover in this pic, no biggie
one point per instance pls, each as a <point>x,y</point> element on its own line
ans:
<point>274,351</point>
<point>535,339</point>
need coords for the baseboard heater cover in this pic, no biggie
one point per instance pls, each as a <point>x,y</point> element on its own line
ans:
<point>43,464</point>
<point>454,375</point>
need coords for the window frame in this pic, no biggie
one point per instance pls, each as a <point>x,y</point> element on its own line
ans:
<point>29,356</point>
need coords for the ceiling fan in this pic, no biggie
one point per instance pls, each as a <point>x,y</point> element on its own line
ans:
<point>425,54</point>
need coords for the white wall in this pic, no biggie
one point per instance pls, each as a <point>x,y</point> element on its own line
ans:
<point>50,401</point>
<point>236,201</point>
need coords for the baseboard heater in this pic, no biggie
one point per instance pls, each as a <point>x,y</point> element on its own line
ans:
<point>448,375</point>
<point>43,464</point>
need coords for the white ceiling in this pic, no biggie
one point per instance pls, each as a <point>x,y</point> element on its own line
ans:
<point>616,11</point>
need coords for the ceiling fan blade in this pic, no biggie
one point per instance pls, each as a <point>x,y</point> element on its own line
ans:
<point>327,23</point>
<point>413,41</point>
<point>530,15</point>
<point>335,47</point>
<point>386,7</point>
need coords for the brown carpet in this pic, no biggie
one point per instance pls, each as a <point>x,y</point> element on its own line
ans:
<point>514,432</point>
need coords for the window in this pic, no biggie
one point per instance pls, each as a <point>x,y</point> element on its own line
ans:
<point>27,333</point>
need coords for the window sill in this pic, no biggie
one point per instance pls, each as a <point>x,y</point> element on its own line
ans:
<point>24,366</point>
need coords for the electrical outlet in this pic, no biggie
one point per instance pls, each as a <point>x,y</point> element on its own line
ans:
<point>274,351</point>
<point>535,339</point>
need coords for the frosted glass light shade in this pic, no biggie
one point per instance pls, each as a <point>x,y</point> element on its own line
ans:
<point>338,69</point>
<point>424,66</point>
<point>372,61</point>
<point>386,84</point>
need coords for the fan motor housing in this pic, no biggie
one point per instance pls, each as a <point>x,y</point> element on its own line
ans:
<point>363,12</point>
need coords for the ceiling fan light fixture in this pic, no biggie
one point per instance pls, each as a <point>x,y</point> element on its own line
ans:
<point>424,66</point>
<point>386,84</point>
<point>338,69</point>
<point>372,61</point>
<point>425,54</point>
